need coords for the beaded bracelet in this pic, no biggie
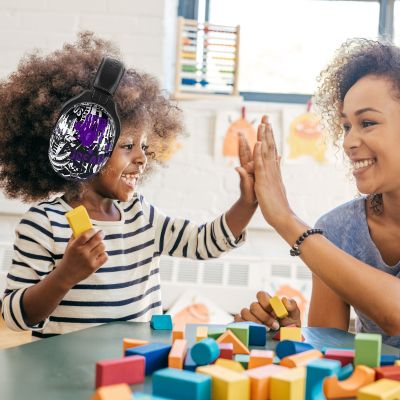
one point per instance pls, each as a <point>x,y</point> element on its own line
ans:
<point>295,250</point>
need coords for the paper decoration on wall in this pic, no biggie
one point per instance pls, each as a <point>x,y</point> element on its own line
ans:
<point>306,137</point>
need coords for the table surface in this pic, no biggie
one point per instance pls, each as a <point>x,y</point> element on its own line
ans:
<point>63,367</point>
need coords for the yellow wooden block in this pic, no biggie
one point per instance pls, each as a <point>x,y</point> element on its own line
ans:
<point>230,364</point>
<point>289,385</point>
<point>129,343</point>
<point>227,384</point>
<point>397,363</point>
<point>201,333</point>
<point>278,307</point>
<point>290,333</point>
<point>384,389</point>
<point>120,391</point>
<point>79,220</point>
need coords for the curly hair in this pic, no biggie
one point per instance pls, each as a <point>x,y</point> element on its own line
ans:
<point>32,97</point>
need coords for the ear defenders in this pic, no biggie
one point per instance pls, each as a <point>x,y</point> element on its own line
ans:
<point>88,128</point>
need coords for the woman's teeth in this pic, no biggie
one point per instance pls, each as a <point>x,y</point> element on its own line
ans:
<point>363,163</point>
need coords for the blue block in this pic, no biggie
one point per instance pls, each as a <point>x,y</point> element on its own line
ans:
<point>289,347</point>
<point>317,371</point>
<point>189,364</point>
<point>345,372</point>
<point>257,333</point>
<point>388,359</point>
<point>146,396</point>
<point>181,385</point>
<point>161,322</point>
<point>156,355</point>
<point>205,351</point>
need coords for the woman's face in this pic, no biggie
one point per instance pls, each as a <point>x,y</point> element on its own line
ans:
<point>371,121</point>
<point>128,161</point>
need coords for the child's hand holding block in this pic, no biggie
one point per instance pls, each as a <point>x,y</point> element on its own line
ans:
<point>278,307</point>
<point>79,220</point>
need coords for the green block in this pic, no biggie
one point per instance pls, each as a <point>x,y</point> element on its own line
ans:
<point>243,359</point>
<point>368,349</point>
<point>215,333</point>
<point>241,331</point>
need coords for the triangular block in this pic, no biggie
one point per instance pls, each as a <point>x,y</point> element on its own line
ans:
<point>238,346</point>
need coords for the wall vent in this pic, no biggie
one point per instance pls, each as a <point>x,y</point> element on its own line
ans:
<point>282,271</point>
<point>302,272</point>
<point>166,269</point>
<point>238,274</point>
<point>213,272</point>
<point>187,271</point>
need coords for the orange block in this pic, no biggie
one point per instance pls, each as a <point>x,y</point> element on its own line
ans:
<point>300,359</point>
<point>238,346</point>
<point>258,358</point>
<point>113,392</point>
<point>178,333</point>
<point>129,343</point>
<point>335,389</point>
<point>177,354</point>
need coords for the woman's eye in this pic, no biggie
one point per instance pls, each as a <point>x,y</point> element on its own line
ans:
<point>346,128</point>
<point>367,123</point>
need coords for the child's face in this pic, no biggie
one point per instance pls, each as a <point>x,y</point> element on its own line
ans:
<point>127,162</point>
<point>371,120</point>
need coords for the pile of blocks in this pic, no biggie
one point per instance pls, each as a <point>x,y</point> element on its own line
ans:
<point>221,366</point>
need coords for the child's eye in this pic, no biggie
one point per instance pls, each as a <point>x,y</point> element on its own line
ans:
<point>127,146</point>
<point>145,147</point>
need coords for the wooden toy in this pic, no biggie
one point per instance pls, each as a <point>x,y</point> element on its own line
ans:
<point>161,322</point>
<point>128,370</point>
<point>300,359</point>
<point>388,359</point>
<point>201,333</point>
<point>277,335</point>
<point>278,307</point>
<point>189,364</point>
<point>156,355</point>
<point>181,385</point>
<point>238,346</point>
<point>178,333</point>
<point>243,359</point>
<point>289,347</point>
<point>291,333</point>
<point>288,385</point>
<point>241,331</point>
<point>397,362</point>
<point>344,356</point>
<point>335,389</point>
<point>230,364</point>
<point>146,396</point>
<point>257,333</point>
<point>384,389</point>
<point>225,350</point>
<point>260,379</point>
<point>177,354</point>
<point>215,333</point>
<point>205,352</point>
<point>258,358</point>
<point>227,384</point>
<point>79,220</point>
<point>113,392</point>
<point>317,371</point>
<point>368,349</point>
<point>388,372</point>
<point>129,343</point>
<point>345,372</point>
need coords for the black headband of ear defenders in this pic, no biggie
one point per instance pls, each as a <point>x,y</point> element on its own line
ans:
<point>88,128</point>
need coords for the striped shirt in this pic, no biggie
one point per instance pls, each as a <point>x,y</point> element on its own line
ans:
<point>127,286</point>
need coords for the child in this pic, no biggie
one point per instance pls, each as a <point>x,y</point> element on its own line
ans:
<point>58,283</point>
<point>359,263</point>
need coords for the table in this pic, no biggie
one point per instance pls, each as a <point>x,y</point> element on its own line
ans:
<point>63,367</point>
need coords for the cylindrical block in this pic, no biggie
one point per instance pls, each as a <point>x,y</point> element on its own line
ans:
<point>205,352</point>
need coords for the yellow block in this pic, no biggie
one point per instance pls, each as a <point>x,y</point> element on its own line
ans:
<point>384,389</point>
<point>278,307</point>
<point>397,363</point>
<point>290,333</point>
<point>289,385</point>
<point>227,384</point>
<point>121,391</point>
<point>230,364</point>
<point>79,220</point>
<point>201,333</point>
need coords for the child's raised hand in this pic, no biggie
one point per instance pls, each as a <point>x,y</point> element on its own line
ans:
<point>83,256</point>
<point>261,312</point>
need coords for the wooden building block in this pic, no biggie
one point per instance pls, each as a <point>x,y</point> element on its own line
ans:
<point>384,389</point>
<point>289,347</point>
<point>129,343</point>
<point>215,333</point>
<point>388,359</point>
<point>300,359</point>
<point>177,354</point>
<point>79,220</point>
<point>335,389</point>
<point>260,380</point>
<point>146,396</point>
<point>258,358</point>
<point>397,362</point>
<point>113,392</point>
<point>189,364</point>
<point>388,372</point>
<point>257,333</point>
<point>289,385</point>
<point>344,356</point>
<point>278,307</point>
<point>181,385</point>
<point>156,355</point>
<point>129,370</point>
<point>225,350</point>
<point>161,322</point>
<point>205,352</point>
<point>178,333</point>
<point>368,349</point>
<point>291,333</point>
<point>227,384</point>
<point>345,372</point>
<point>230,364</point>
<point>243,359</point>
<point>238,346</point>
<point>241,331</point>
<point>317,371</point>
<point>201,333</point>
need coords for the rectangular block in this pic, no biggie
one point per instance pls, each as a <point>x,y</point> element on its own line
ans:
<point>257,333</point>
<point>189,364</point>
<point>120,391</point>
<point>178,333</point>
<point>259,358</point>
<point>201,333</point>
<point>181,385</point>
<point>344,356</point>
<point>368,349</point>
<point>230,364</point>
<point>291,333</point>
<point>384,389</point>
<point>156,355</point>
<point>289,385</point>
<point>79,220</point>
<point>161,322</point>
<point>177,354</point>
<point>389,372</point>
<point>129,343</point>
<point>225,350</point>
<point>278,307</point>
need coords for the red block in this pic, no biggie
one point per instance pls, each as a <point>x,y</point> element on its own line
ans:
<point>129,370</point>
<point>344,356</point>
<point>388,372</point>
<point>226,350</point>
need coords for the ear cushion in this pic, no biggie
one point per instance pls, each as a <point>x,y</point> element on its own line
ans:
<point>82,141</point>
